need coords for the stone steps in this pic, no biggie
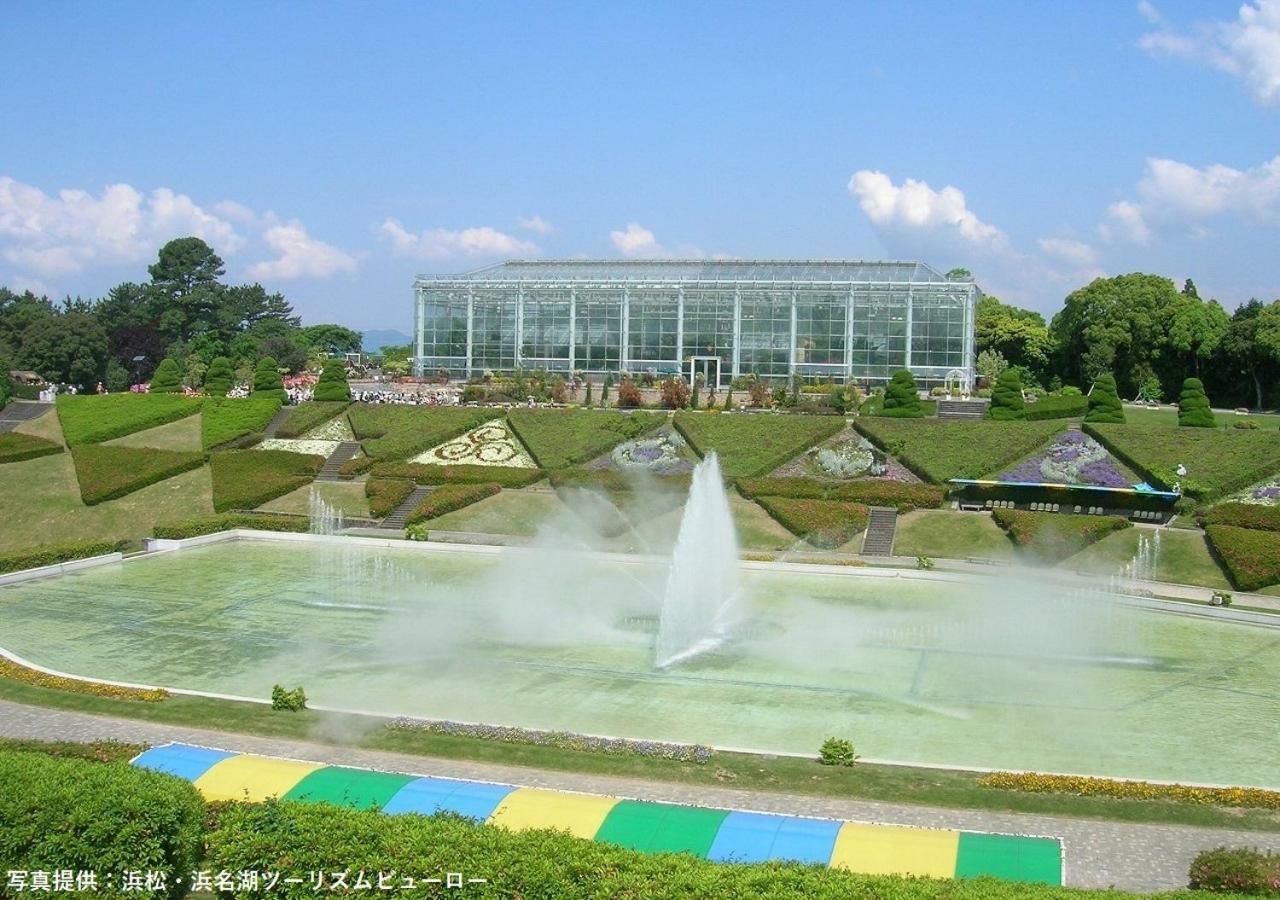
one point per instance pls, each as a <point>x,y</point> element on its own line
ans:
<point>396,520</point>
<point>276,421</point>
<point>881,527</point>
<point>333,464</point>
<point>962,409</point>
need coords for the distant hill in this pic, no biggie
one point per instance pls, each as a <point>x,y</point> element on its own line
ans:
<point>376,340</point>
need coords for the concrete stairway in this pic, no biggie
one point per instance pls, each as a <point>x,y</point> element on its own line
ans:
<point>962,409</point>
<point>333,464</point>
<point>276,421</point>
<point>878,539</point>
<point>396,520</point>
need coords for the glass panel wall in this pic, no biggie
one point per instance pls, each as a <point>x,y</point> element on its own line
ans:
<point>444,330</point>
<point>652,332</point>
<point>708,326</point>
<point>493,331</point>
<point>598,336</point>
<point>545,343</point>
<point>821,332</point>
<point>766,333</point>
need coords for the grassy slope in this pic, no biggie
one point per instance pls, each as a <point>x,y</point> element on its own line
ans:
<point>1218,460</point>
<point>754,444</point>
<point>399,432</point>
<point>89,419</point>
<point>950,535</point>
<point>1184,557</point>
<point>940,449</point>
<point>181,435</point>
<point>1168,415</point>
<point>511,512</point>
<point>345,496</point>
<point>557,438</point>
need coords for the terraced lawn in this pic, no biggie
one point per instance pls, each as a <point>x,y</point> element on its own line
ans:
<point>511,512</point>
<point>182,435</point>
<point>947,534</point>
<point>1184,557</point>
<point>345,496</point>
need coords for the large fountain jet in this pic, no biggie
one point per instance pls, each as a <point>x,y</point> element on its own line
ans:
<point>701,600</point>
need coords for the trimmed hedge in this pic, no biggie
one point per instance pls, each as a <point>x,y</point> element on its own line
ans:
<point>1243,515</point>
<point>189,528</point>
<point>92,751</point>
<point>245,479</point>
<point>449,498</point>
<point>1219,461</point>
<point>267,381</point>
<point>1052,537</point>
<point>1057,408</point>
<point>902,397</point>
<point>357,465</point>
<point>751,444</point>
<point>94,418</point>
<point>50,554</point>
<point>385,494</point>
<point>105,817</point>
<point>390,431</point>
<point>422,473</point>
<point>1104,402</point>
<point>18,447</point>
<point>220,378</point>
<point>557,438</point>
<point>106,473</point>
<point>900,495</point>
<point>226,419</point>
<point>306,416</point>
<point>167,378</point>
<point>1251,558</point>
<point>612,481</point>
<point>941,449</point>
<point>826,524</point>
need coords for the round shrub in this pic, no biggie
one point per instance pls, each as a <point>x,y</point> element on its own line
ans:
<point>901,397</point>
<point>1104,401</point>
<point>167,379</point>
<point>1006,398</point>
<point>333,382</point>
<point>220,377</point>
<point>266,379</point>
<point>1236,870</point>
<point>1193,405</point>
<point>108,817</point>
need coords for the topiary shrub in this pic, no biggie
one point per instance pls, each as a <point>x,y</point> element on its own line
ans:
<point>220,378</point>
<point>1104,401</point>
<point>1006,398</point>
<point>901,397</point>
<point>333,382</point>
<point>167,379</point>
<point>1236,870</point>
<point>1193,406</point>
<point>837,752</point>
<point>266,379</point>
<point>103,817</point>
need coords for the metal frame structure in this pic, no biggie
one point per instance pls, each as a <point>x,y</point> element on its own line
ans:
<point>849,320</point>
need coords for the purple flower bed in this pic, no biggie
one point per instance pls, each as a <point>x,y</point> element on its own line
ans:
<point>1074,458</point>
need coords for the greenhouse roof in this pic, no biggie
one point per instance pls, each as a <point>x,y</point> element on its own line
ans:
<point>717,270</point>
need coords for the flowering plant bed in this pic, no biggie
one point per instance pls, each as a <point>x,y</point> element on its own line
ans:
<point>662,454</point>
<point>1265,494</point>
<point>1073,458</point>
<point>1085,786</point>
<point>566,740</point>
<point>301,445</point>
<point>492,444</point>
<point>336,429</point>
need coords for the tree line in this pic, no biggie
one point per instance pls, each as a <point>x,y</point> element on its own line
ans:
<point>185,313</point>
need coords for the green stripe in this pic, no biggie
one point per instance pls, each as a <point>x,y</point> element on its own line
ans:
<point>661,827</point>
<point>348,787</point>
<point>1008,857</point>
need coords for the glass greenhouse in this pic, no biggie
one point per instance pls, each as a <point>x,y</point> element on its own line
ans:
<point>850,320</point>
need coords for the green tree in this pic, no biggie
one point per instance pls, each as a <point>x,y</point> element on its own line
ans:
<point>990,364</point>
<point>1019,336</point>
<point>1150,389</point>
<point>184,290</point>
<point>68,347</point>
<point>333,382</point>
<point>167,378</point>
<point>243,307</point>
<point>1104,401</point>
<point>218,380</point>
<point>959,272</point>
<point>1251,345</point>
<point>1194,328</point>
<point>1006,398</point>
<point>266,379</point>
<point>1193,406</point>
<point>6,382</point>
<point>332,339</point>
<point>902,397</point>
<point>118,377</point>
<point>17,313</point>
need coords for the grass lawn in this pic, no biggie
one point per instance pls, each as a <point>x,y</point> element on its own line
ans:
<point>46,426</point>
<point>398,432</point>
<point>947,534</point>
<point>757,530</point>
<point>1168,415</point>
<point>557,438</point>
<point>183,434</point>
<point>91,419</point>
<point>752,444</point>
<point>1184,557</point>
<point>941,449</point>
<point>511,512</point>
<point>345,496</point>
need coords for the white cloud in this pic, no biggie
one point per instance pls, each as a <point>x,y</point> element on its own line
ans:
<point>443,244</point>
<point>57,235</point>
<point>1125,222</point>
<point>917,209</point>
<point>536,224</point>
<point>638,242</point>
<point>301,256</point>
<point>1247,47</point>
<point>1148,11</point>
<point>1077,253</point>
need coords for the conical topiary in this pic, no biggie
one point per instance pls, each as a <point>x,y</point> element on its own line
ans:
<point>167,378</point>
<point>1193,405</point>
<point>1104,401</point>
<point>266,380</point>
<point>901,397</point>
<point>333,382</point>
<point>1006,397</point>
<point>219,379</point>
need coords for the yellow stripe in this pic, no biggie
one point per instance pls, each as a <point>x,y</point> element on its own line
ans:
<point>253,778</point>
<point>579,814</point>
<point>894,850</point>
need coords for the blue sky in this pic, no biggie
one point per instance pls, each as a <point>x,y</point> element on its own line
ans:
<point>333,150</point>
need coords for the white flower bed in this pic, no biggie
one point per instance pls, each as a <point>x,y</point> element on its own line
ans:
<point>492,444</point>
<point>659,455</point>
<point>336,429</point>
<point>849,459</point>
<point>300,445</point>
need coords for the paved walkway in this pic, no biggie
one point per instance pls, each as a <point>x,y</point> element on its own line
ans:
<point>20,411</point>
<point>1097,854</point>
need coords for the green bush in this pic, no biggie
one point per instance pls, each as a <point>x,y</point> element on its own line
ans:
<point>167,378</point>
<point>827,524</point>
<point>837,752</point>
<point>227,419</point>
<point>1051,537</point>
<point>17,447</point>
<point>423,473</point>
<point>106,473</point>
<point>557,438</point>
<point>1236,870</point>
<point>940,449</point>
<point>902,496</point>
<point>245,479</point>
<point>1193,406</point>
<point>753,444</point>
<point>189,528</point>
<point>106,817</point>
<point>288,701</point>
<point>385,494</point>
<point>90,751</point>
<point>51,554</point>
<point>1251,558</point>
<point>357,465</point>
<point>220,378</point>
<point>92,419</point>
<point>267,381</point>
<point>1104,401</point>
<point>332,386</point>
<point>1219,461</point>
<point>449,498</point>
<point>307,416</point>
<point>6,382</point>
<point>1243,515</point>
<point>902,397</point>
<point>389,431</point>
<point>1006,398</point>
<point>1064,407</point>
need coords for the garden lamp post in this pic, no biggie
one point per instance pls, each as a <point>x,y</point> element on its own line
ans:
<point>137,368</point>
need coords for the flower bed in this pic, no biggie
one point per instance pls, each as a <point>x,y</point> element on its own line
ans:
<point>1265,494</point>
<point>1033,782</point>
<point>564,437</point>
<point>659,455</point>
<point>10,669</point>
<point>1073,458</point>
<point>941,449</point>
<point>566,740</point>
<point>849,459</point>
<point>309,418</point>
<point>301,445</point>
<point>492,444</point>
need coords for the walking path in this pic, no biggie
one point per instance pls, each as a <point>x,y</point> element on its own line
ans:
<point>1096,854</point>
<point>20,411</point>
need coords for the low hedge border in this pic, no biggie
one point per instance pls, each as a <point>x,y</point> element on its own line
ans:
<point>92,751</point>
<point>18,447</point>
<point>52,554</point>
<point>566,740</point>
<point>385,494</point>
<point>826,524</point>
<point>1083,786</point>
<point>1251,558</point>
<point>900,495</point>
<point>423,473</point>
<point>450,498</point>
<point>27,675</point>
<point>246,479</point>
<point>1057,408</point>
<point>108,473</point>
<point>1243,515</point>
<point>189,528</point>
<point>357,465</point>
